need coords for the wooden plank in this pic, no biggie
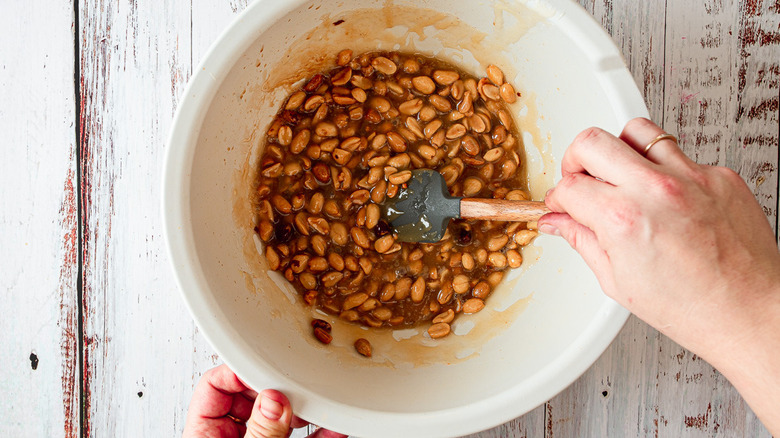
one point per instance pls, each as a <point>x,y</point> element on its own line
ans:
<point>38,221</point>
<point>722,89</point>
<point>527,426</point>
<point>638,30</point>
<point>613,397</point>
<point>142,352</point>
<point>721,98</point>
<point>209,19</point>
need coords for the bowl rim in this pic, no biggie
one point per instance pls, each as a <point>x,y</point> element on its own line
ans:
<point>617,83</point>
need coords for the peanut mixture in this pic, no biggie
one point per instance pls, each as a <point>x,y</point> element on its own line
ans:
<point>343,144</point>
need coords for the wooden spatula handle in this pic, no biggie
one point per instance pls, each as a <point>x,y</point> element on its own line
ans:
<point>502,210</point>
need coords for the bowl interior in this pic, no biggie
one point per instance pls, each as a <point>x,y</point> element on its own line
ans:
<point>539,331</point>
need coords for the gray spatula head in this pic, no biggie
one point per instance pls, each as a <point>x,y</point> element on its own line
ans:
<point>421,212</point>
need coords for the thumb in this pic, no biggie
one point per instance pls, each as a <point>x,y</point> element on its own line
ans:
<point>271,416</point>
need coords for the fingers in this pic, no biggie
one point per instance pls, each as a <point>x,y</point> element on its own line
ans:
<point>271,416</point>
<point>639,132</point>
<point>602,155</point>
<point>242,406</point>
<point>213,396</point>
<point>581,196</point>
<point>249,393</point>
<point>297,423</point>
<point>213,427</point>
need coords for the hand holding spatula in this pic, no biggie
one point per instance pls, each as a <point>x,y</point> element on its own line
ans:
<point>421,212</point>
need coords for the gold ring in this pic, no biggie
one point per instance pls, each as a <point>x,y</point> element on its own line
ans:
<point>657,139</point>
<point>235,419</point>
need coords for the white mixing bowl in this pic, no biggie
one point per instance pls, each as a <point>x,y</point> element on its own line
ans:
<point>538,333</point>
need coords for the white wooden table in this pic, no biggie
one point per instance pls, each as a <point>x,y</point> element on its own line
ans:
<point>95,339</point>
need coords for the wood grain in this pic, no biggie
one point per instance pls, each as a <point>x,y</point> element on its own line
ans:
<point>722,100</point>
<point>638,30</point>
<point>502,209</point>
<point>527,426</point>
<point>143,354</point>
<point>38,221</point>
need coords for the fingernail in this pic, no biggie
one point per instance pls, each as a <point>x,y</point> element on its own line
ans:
<point>549,229</point>
<point>270,408</point>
